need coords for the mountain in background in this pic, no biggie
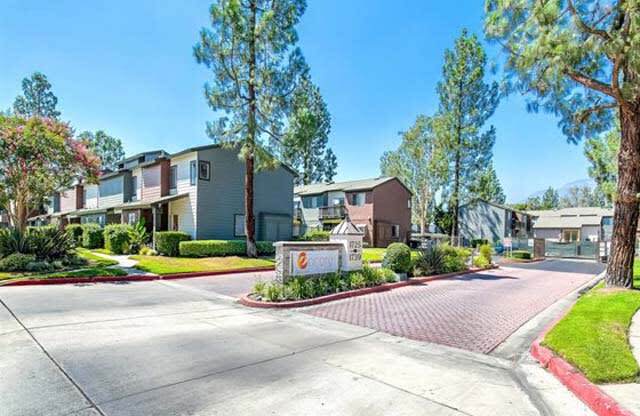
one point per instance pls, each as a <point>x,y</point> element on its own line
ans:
<point>564,189</point>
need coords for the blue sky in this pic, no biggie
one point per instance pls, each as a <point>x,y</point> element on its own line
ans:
<point>127,67</point>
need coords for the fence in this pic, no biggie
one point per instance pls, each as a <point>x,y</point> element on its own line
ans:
<point>579,249</point>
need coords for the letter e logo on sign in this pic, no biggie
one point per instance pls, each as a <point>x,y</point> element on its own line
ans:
<point>302,260</point>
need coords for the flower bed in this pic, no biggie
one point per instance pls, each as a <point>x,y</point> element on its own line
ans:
<point>256,301</point>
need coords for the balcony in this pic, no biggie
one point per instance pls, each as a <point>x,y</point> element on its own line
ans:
<point>335,212</point>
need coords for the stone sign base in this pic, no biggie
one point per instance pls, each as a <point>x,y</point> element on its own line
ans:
<point>307,258</point>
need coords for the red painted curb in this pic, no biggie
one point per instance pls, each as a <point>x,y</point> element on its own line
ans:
<point>129,278</point>
<point>600,402</point>
<point>247,301</point>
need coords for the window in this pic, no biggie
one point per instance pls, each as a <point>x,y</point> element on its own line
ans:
<point>570,236</point>
<point>607,220</point>
<point>409,203</point>
<point>311,201</point>
<point>174,222</point>
<point>173,177</point>
<point>132,218</point>
<point>134,187</point>
<point>338,201</point>
<point>192,172</point>
<point>358,199</point>
<point>238,225</point>
<point>204,170</point>
<point>395,231</point>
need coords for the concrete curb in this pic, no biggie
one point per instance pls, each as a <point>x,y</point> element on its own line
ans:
<point>130,278</point>
<point>247,301</point>
<point>600,402</point>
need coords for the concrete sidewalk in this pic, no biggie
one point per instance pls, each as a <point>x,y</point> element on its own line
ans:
<point>157,348</point>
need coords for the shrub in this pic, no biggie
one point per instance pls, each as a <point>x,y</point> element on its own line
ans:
<point>274,292</point>
<point>259,288</point>
<point>117,237</point>
<point>168,242</point>
<point>300,288</point>
<point>484,258</point>
<point>138,237</point>
<point>315,235</point>
<point>92,236</point>
<point>221,248</point>
<point>388,275</point>
<point>40,267</point>
<point>11,241</point>
<point>397,258</point>
<point>521,254</point>
<point>455,258</point>
<point>478,242</point>
<point>48,243</point>
<point>481,262</point>
<point>148,251</point>
<point>430,261</point>
<point>372,277</point>
<point>16,262</point>
<point>74,231</point>
<point>357,280</point>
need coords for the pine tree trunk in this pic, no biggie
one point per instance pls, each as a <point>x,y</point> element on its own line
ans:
<point>625,217</point>
<point>250,222</point>
<point>456,201</point>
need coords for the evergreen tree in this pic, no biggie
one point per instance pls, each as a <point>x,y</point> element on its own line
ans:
<point>305,142</point>
<point>580,59</point>
<point>602,153</point>
<point>37,100</point>
<point>487,186</point>
<point>418,163</point>
<point>108,148</point>
<point>550,199</point>
<point>466,103</point>
<point>250,49</point>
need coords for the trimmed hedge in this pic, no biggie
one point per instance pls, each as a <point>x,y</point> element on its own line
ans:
<point>74,231</point>
<point>168,242</point>
<point>221,248</point>
<point>92,236</point>
<point>397,258</point>
<point>315,235</point>
<point>116,238</point>
<point>521,254</point>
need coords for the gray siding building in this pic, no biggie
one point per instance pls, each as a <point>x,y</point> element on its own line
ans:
<point>486,220</point>
<point>220,202</point>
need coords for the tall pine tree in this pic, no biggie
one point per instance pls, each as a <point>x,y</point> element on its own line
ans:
<point>251,51</point>
<point>305,142</point>
<point>580,59</point>
<point>486,185</point>
<point>37,100</point>
<point>466,103</point>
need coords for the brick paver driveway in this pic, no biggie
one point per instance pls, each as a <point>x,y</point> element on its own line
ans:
<point>474,312</point>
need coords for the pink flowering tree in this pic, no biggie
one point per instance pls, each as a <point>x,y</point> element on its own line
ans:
<point>38,156</point>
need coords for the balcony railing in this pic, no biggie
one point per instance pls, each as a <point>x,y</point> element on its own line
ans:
<point>333,212</point>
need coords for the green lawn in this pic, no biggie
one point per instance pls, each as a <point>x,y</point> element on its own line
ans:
<point>97,267</point>
<point>374,255</point>
<point>170,265</point>
<point>594,335</point>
